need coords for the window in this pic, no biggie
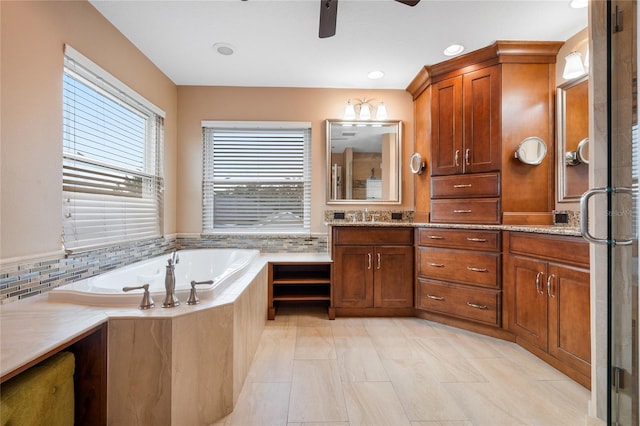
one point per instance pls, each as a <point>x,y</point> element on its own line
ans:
<point>112,144</point>
<point>257,177</point>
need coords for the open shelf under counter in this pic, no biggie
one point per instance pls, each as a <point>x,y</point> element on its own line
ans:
<point>299,278</point>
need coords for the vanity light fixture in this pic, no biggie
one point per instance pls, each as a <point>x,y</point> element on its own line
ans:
<point>364,107</point>
<point>573,67</point>
<point>453,50</point>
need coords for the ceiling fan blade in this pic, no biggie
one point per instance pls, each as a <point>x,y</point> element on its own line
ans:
<point>328,15</point>
<point>409,2</point>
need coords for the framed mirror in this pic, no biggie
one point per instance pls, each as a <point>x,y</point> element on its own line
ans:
<point>572,121</point>
<point>363,162</point>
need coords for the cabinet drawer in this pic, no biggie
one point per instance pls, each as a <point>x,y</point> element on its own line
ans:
<point>460,266</point>
<point>372,236</point>
<point>565,249</point>
<point>469,239</point>
<point>463,186</point>
<point>479,210</point>
<point>481,305</point>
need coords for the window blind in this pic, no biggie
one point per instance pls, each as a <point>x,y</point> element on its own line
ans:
<point>112,182</point>
<point>257,179</point>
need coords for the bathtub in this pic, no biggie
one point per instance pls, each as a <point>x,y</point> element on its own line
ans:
<point>220,265</point>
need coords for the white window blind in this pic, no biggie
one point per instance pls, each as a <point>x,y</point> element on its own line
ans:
<point>257,179</point>
<point>112,181</point>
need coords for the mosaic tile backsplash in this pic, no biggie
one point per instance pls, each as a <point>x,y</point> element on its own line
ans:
<point>39,275</point>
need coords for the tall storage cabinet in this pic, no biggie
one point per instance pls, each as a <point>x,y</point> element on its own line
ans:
<point>483,105</point>
<point>465,116</point>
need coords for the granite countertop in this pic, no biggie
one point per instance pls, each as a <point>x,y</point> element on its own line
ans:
<point>540,229</point>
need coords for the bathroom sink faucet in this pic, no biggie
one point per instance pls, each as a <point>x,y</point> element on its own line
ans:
<point>364,214</point>
<point>170,299</point>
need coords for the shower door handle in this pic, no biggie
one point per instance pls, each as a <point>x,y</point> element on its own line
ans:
<point>584,215</point>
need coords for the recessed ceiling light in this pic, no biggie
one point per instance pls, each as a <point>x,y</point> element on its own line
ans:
<point>578,4</point>
<point>224,48</point>
<point>375,75</point>
<point>454,49</point>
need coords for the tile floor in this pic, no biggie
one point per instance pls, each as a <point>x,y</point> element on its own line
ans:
<point>397,371</point>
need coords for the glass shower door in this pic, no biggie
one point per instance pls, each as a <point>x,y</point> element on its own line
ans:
<point>614,154</point>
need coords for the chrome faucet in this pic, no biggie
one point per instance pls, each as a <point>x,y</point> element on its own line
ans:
<point>170,299</point>
<point>364,214</point>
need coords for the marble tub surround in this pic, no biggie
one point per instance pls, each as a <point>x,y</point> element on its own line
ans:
<point>161,362</point>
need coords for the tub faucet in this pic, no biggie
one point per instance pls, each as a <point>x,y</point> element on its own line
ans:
<point>170,299</point>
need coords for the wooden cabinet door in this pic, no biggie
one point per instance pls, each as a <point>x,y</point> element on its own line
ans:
<point>481,109</point>
<point>393,277</point>
<point>353,277</point>
<point>446,127</point>
<point>528,315</point>
<point>569,313</point>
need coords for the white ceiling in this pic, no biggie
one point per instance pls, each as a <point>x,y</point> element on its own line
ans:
<point>276,41</point>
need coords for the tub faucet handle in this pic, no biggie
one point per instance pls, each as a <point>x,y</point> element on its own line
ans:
<point>193,296</point>
<point>147,301</point>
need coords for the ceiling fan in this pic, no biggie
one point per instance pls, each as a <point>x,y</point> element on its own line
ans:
<point>329,12</point>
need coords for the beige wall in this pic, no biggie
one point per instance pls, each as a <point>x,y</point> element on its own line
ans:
<point>272,104</point>
<point>32,38</point>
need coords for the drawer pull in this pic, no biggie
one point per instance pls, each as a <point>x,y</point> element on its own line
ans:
<point>473,305</point>
<point>462,185</point>
<point>472,269</point>
<point>477,240</point>
<point>378,267</point>
<point>462,211</point>
<point>436,265</point>
<point>456,158</point>
<point>438,298</point>
<point>369,257</point>
<point>435,237</point>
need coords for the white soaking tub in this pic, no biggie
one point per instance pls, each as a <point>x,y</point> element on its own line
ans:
<point>220,265</point>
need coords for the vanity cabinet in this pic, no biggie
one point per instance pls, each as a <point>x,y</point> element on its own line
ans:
<point>459,274</point>
<point>547,298</point>
<point>373,268</point>
<point>465,116</point>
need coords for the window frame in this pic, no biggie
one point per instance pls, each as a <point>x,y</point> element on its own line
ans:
<point>93,184</point>
<point>208,182</point>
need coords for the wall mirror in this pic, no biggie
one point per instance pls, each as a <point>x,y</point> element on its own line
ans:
<point>363,162</point>
<point>572,121</point>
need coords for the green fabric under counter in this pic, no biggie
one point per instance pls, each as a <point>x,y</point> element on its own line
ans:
<point>42,395</point>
